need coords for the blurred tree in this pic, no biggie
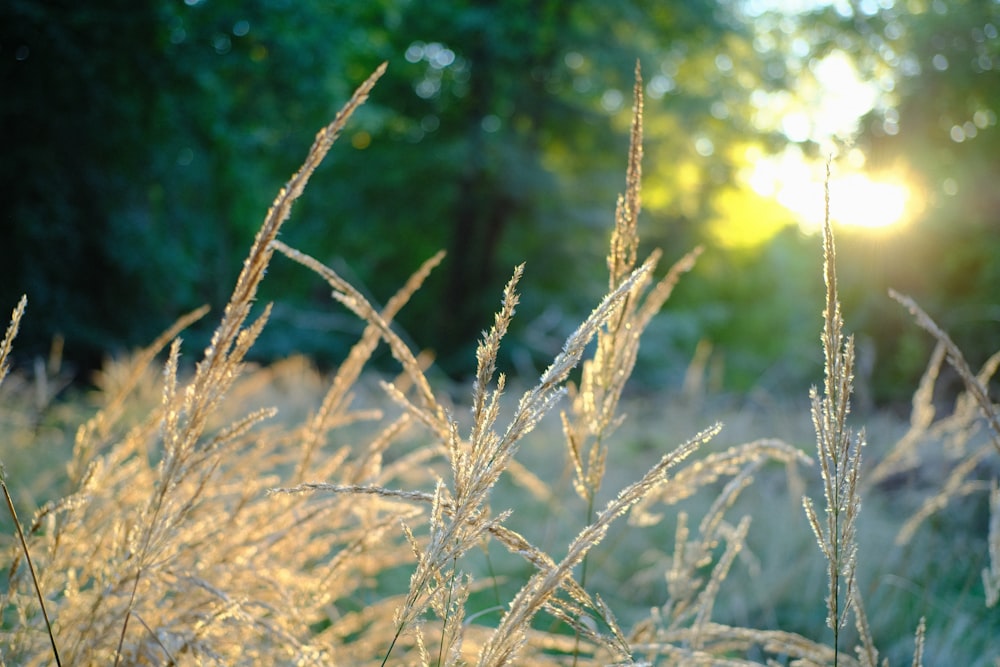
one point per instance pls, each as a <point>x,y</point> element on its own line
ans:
<point>503,139</point>
<point>144,144</point>
<point>941,121</point>
<point>936,64</point>
<point>932,65</point>
<point>66,120</point>
<point>147,142</point>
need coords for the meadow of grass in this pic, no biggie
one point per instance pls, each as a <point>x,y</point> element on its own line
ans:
<point>226,514</point>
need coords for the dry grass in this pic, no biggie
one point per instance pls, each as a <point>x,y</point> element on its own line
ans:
<point>380,526</point>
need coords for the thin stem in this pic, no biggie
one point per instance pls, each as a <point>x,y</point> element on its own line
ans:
<point>583,572</point>
<point>31,569</point>
<point>128,615</point>
<point>447,612</point>
<point>392,645</point>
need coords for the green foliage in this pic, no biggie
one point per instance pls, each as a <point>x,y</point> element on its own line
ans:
<point>183,128</point>
<point>144,142</point>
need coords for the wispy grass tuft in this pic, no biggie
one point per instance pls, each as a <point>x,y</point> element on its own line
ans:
<point>8,339</point>
<point>839,454</point>
<point>972,404</point>
<point>975,383</point>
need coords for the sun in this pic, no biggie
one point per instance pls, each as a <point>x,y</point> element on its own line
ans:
<point>863,201</point>
<point>857,198</point>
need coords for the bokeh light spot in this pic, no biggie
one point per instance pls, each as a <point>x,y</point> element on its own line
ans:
<point>361,140</point>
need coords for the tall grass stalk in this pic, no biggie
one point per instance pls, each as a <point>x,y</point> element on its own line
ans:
<point>839,454</point>
<point>31,566</point>
<point>5,348</point>
<point>976,397</point>
<point>186,414</point>
<point>975,383</point>
<point>592,419</point>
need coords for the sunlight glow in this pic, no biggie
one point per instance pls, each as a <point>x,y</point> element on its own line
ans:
<point>859,200</point>
<point>825,110</point>
<point>856,198</point>
<point>826,106</point>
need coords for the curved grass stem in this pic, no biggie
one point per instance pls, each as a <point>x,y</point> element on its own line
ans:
<point>31,569</point>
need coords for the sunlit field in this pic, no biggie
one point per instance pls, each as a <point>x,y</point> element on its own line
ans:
<point>195,509</point>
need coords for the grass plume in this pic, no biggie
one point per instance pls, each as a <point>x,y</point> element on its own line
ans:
<point>839,454</point>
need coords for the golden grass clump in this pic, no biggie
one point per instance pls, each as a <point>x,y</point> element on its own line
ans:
<point>162,551</point>
<point>204,528</point>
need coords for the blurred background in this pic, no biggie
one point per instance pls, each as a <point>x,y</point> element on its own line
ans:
<point>144,141</point>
